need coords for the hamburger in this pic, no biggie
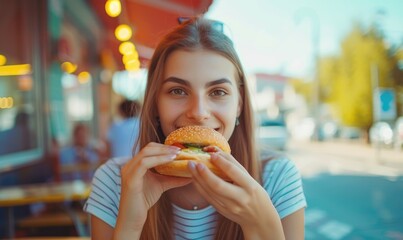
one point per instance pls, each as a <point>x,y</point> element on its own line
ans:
<point>191,140</point>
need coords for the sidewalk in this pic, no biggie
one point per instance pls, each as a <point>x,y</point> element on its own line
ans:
<point>345,157</point>
<point>353,191</point>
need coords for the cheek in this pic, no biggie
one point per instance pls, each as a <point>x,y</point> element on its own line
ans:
<point>227,113</point>
<point>167,115</point>
<point>233,108</point>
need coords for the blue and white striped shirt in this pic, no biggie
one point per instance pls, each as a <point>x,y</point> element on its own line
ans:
<point>281,179</point>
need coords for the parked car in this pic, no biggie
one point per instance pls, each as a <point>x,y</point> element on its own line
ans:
<point>273,134</point>
<point>328,130</point>
<point>350,133</point>
<point>399,133</point>
<point>381,134</point>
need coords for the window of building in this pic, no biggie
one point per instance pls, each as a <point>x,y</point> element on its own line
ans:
<point>20,119</point>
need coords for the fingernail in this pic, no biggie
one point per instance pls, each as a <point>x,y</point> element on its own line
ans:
<point>174,149</point>
<point>214,155</point>
<point>200,166</point>
<point>192,165</point>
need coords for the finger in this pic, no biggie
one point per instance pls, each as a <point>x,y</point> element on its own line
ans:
<point>230,158</point>
<point>232,168</point>
<point>152,149</point>
<point>213,185</point>
<point>213,200</point>
<point>153,161</point>
<point>197,180</point>
<point>211,149</point>
<point>140,165</point>
<point>152,155</point>
<point>216,150</point>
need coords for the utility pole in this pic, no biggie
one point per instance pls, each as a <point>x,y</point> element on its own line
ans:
<point>315,31</point>
<point>375,114</point>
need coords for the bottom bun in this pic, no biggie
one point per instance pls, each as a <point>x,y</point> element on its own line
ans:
<point>179,168</point>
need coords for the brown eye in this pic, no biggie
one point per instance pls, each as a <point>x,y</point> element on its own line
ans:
<point>177,91</point>
<point>218,93</point>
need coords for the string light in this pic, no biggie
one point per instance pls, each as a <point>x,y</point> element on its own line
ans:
<point>15,70</point>
<point>69,67</point>
<point>132,65</point>
<point>123,32</point>
<point>129,57</point>
<point>3,60</point>
<point>84,77</point>
<point>6,102</point>
<point>113,8</point>
<point>126,48</point>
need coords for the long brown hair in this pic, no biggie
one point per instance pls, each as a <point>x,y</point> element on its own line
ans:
<point>196,33</point>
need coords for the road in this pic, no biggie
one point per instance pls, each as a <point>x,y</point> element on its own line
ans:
<point>353,191</point>
<point>340,157</point>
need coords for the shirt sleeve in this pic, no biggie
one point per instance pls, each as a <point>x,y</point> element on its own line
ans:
<point>109,133</point>
<point>283,183</point>
<point>103,201</point>
<point>67,155</point>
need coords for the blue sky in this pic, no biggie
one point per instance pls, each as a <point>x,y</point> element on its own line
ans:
<point>277,36</point>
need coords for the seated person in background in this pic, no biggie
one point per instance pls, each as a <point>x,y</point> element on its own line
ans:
<point>79,156</point>
<point>77,161</point>
<point>122,133</point>
<point>18,137</point>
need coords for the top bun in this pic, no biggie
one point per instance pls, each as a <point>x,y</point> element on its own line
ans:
<point>198,135</point>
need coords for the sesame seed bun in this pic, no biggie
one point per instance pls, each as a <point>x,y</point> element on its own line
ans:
<point>199,135</point>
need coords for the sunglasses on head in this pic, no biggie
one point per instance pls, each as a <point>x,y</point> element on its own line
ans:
<point>217,25</point>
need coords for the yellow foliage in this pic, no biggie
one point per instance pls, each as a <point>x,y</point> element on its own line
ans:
<point>303,88</point>
<point>347,81</point>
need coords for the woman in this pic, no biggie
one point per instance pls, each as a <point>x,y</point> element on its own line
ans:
<point>195,78</point>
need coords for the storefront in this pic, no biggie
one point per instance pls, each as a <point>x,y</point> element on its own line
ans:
<point>22,82</point>
<point>60,66</point>
<point>49,68</point>
<point>49,76</point>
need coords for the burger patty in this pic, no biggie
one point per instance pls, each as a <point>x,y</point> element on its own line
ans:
<point>190,153</point>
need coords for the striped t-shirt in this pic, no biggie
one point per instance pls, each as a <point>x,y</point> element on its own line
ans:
<point>281,180</point>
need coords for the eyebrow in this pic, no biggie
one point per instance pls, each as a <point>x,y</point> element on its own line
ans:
<point>186,83</point>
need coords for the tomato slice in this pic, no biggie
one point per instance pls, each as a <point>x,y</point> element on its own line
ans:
<point>179,145</point>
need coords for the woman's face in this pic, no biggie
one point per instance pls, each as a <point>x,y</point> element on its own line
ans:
<point>198,88</point>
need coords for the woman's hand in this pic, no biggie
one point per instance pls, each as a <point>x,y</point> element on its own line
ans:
<point>243,201</point>
<point>141,188</point>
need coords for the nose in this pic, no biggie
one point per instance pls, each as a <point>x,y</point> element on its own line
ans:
<point>198,109</point>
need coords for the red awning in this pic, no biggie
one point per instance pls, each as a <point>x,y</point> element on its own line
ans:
<point>149,19</point>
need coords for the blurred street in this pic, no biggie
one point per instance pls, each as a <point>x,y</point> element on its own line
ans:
<point>354,191</point>
<point>73,81</point>
<point>345,157</point>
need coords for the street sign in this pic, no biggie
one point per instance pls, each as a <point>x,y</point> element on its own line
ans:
<point>384,107</point>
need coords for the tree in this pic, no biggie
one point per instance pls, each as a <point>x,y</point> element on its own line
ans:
<point>328,72</point>
<point>346,80</point>
<point>397,74</point>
